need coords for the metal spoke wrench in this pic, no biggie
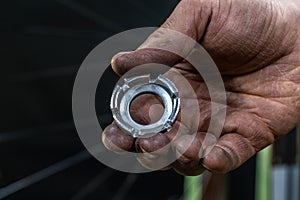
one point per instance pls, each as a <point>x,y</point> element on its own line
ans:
<point>123,94</point>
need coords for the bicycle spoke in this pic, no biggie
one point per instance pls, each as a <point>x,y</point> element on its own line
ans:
<point>43,174</point>
<point>93,184</point>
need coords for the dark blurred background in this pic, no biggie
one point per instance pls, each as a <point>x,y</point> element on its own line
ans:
<point>43,43</point>
<point>42,46</point>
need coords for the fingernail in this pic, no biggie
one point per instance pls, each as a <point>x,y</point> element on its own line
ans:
<point>114,58</point>
<point>154,143</point>
<point>146,155</point>
<point>118,55</point>
<point>116,140</point>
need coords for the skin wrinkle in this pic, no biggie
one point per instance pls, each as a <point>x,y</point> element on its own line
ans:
<point>282,73</point>
<point>236,159</point>
<point>239,32</point>
<point>232,157</point>
<point>280,8</point>
<point>286,68</point>
<point>220,167</point>
<point>267,27</point>
<point>195,20</point>
<point>256,46</point>
<point>251,132</point>
<point>272,78</point>
<point>248,110</point>
<point>245,96</point>
<point>217,19</point>
<point>286,32</point>
<point>277,93</point>
<point>295,79</point>
<point>238,126</point>
<point>202,19</point>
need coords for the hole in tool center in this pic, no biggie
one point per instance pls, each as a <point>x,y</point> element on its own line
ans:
<point>146,108</point>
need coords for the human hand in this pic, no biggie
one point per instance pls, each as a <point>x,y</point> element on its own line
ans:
<point>256,46</point>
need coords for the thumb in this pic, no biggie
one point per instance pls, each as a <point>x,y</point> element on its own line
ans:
<point>189,18</point>
<point>125,61</point>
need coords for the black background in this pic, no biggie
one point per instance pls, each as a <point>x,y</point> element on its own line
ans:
<point>43,43</point>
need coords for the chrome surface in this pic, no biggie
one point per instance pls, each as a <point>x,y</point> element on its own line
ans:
<point>125,93</point>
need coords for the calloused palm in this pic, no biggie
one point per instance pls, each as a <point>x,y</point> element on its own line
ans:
<point>256,46</point>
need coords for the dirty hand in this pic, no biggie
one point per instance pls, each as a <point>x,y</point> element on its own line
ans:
<point>256,46</point>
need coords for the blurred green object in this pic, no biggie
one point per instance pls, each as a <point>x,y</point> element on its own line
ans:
<point>193,188</point>
<point>263,174</point>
